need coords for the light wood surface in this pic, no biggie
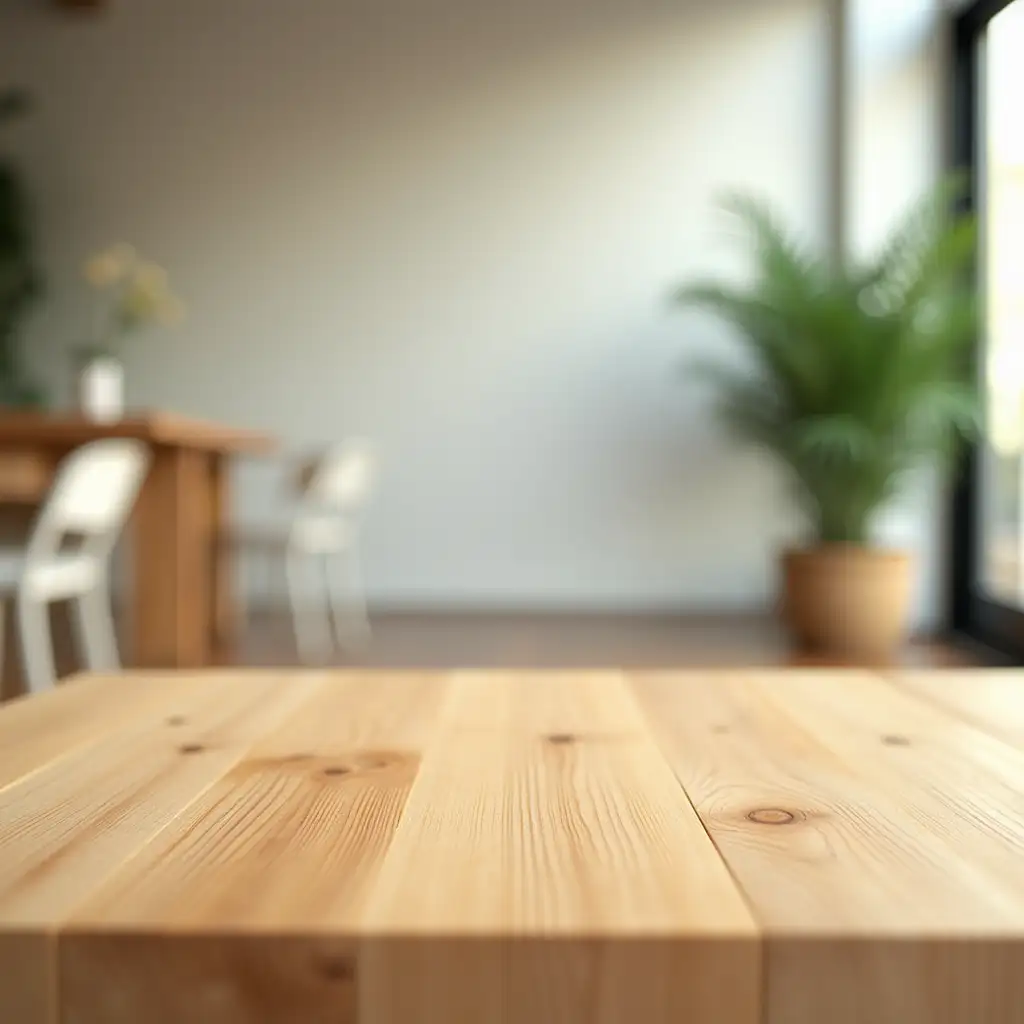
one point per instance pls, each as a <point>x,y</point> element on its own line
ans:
<point>878,839</point>
<point>590,847</point>
<point>989,699</point>
<point>182,605</point>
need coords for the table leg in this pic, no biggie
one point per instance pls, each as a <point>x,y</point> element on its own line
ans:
<point>224,610</point>
<point>174,533</point>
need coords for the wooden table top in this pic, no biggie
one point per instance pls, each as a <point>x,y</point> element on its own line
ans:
<point>158,428</point>
<point>714,847</point>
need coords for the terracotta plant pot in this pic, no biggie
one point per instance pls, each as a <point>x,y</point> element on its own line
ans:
<point>848,602</point>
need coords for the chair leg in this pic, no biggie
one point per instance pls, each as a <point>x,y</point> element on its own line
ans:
<point>97,633</point>
<point>310,616</point>
<point>241,563</point>
<point>348,603</point>
<point>36,644</point>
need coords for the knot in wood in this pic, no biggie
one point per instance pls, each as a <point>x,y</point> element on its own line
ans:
<point>896,741</point>
<point>561,739</point>
<point>772,816</point>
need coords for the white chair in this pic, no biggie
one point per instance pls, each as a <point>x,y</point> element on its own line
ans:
<point>321,552</point>
<point>92,495</point>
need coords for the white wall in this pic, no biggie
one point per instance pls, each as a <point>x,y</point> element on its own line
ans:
<point>896,149</point>
<point>451,225</point>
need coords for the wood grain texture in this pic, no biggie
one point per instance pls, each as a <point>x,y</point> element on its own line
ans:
<point>787,847</point>
<point>67,827</point>
<point>283,849</point>
<point>875,839</point>
<point>543,816</point>
<point>992,699</point>
<point>79,712</point>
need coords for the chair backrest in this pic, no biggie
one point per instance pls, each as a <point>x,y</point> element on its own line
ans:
<point>336,491</point>
<point>92,495</point>
<point>343,479</point>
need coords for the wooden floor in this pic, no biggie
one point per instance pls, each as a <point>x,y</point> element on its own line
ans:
<point>519,640</point>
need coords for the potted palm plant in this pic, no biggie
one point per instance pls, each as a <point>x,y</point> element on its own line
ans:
<point>857,376</point>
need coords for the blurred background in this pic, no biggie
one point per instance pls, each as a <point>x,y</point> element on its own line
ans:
<point>453,227</point>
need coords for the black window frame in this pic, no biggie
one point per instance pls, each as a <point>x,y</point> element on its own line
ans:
<point>998,627</point>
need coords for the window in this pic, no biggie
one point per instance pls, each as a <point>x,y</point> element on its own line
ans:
<point>988,577</point>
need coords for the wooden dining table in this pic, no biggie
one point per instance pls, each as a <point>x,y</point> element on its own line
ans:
<point>180,603</point>
<point>711,847</point>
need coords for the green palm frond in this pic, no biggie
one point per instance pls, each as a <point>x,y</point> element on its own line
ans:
<point>830,439</point>
<point>857,374</point>
<point>786,265</point>
<point>767,333</point>
<point>925,223</point>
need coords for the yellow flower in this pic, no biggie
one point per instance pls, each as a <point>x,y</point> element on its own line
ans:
<point>141,292</point>
<point>147,297</point>
<point>110,266</point>
<point>139,301</point>
<point>101,271</point>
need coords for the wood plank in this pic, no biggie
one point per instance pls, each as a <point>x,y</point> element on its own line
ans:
<point>967,786</point>
<point>875,838</point>
<point>27,977</point>
<point>67,827</point>
<point>79,712</point>
<point>963,790</point>
<point>990,698</point>
<point>267,873</point>
<point>568,877</point>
